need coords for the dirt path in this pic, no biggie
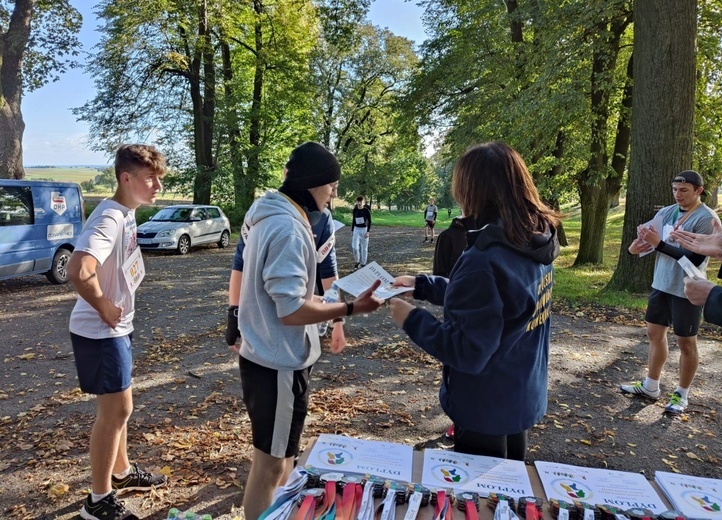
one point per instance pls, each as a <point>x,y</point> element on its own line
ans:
<point>189,422</point>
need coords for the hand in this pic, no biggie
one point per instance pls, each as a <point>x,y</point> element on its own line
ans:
<point>404,281</point>
<point>367,302</point>
<point>697,291</point>
<point>640,246</point>
<point>366,235</point>
<point>232,332</point>
<point>338,338</point>
<point>649,235</point>
<point>400,310</point>
<point>708,245</point>
<point>110,314</point>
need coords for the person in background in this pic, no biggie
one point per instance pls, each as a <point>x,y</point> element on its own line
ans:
<point>360,230</point>
<point>449,246</point>
<point>278,314</point>
<point>668,305</point>
<point>494,339</point>
<point>106,269</point>
<point>430,212</point>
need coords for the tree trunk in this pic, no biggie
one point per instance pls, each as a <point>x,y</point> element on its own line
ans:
<point>204,105</point>
<point>596,185</point>
<point>254,135</point>
<point>663,121</point>
<point>13,44</point>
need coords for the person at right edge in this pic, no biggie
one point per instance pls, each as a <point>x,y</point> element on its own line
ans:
<point>667,305</point>
<point>494,339</point>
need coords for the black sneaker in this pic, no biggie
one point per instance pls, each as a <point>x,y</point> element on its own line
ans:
<point>110,508</point>
<point>138,480</point>
<point>426,239</point>
<point>432,240</point>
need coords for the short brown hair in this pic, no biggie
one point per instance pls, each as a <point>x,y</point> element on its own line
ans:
<point>491,181</point>
<point>132,157</point>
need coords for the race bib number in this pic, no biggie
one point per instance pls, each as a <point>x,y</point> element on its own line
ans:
<point>360,221</point>
<point>429,215</point>
<point>325,249</point>
<point>134,270</point>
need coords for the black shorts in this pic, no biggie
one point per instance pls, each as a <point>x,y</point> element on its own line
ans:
<point>277,404</point>
<point>672,311</point>
<point>430,224</point>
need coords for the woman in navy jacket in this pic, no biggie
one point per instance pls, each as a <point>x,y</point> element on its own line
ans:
<point>494,340</point>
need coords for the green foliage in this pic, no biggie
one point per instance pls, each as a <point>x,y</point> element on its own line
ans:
<point>88,186</point>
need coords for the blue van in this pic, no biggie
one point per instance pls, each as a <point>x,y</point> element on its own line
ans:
<point>39,224</point>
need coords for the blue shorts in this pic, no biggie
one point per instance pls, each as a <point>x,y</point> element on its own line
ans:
<point>104,365</point>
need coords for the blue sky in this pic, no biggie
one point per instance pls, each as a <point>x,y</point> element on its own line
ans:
<point>53,137</point>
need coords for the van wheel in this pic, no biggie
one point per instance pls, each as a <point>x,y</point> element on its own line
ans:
<point>225,239</point>
<point>59,269</point>
<point>184,245</point>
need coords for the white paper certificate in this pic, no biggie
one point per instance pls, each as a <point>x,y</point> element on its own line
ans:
<point>696,497</point>
<point>358,281</point>
<point>482,475</point>
<point>598,486</point>
<point>349,455</point>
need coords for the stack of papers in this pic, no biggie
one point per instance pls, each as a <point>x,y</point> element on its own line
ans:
<point>475,473</point>
<point>598,486</point>
<point>348,455</point>
<point>698,498</point>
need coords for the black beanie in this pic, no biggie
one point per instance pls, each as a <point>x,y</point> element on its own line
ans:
<point>309,166</point>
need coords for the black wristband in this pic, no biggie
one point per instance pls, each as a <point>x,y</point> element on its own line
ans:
<point>233,310</point>
<point>349,308</point>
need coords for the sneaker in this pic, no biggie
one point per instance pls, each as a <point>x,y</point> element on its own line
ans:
<point>638,388</point>
<point>110,508</point>
<point>426,239</point>
<point>138,480</point>
<point>449,434</point>
<point>677,403</point>
<point>432,240</point>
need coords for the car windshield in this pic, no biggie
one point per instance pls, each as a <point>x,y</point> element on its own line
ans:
<point>172,215</point>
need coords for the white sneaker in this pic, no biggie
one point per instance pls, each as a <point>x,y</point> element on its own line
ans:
<point>677,403</point>
<point>639,389</point>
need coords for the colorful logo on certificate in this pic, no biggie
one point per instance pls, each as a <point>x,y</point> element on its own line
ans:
<point>572,489</point>
<point>703,501</point>
<point>338,457</point>
<point>450,474</point>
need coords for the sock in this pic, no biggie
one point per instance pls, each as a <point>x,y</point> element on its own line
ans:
<point>97,497</point>
<point>651,384</point>
<point>684,392</point>
<point>123,474</point>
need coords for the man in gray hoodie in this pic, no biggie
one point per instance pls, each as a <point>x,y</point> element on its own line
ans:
<point>278,313</point>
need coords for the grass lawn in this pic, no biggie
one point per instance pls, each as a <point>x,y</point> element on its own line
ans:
<point>77,175</point>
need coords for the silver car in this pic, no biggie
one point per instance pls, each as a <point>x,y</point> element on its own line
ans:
<point>183,226</point>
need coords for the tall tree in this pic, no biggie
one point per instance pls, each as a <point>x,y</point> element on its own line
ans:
<point>662,140</point>
<point>37,42</point>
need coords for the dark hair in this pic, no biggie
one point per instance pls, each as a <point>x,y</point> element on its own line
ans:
<point>359,198</point>
<point>133,157</point>
<point>491,181</point>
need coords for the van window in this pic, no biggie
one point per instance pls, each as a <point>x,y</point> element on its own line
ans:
<point>16,206</point>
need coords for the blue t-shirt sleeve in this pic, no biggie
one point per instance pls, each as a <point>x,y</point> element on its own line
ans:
<point>238,256</point>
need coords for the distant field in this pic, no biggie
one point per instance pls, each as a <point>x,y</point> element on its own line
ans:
<point>67,174</point>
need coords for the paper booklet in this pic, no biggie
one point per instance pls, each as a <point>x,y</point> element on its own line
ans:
<point>482,475</point>
<point>342,454</point>
<point>598,486</point>
<point>697,497</point>
<point>358,281</point>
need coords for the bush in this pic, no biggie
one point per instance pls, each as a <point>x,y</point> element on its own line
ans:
<point>88,186</point>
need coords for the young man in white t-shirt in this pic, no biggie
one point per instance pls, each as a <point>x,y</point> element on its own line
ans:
<point>430,213</point>
<point>106,269</point>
